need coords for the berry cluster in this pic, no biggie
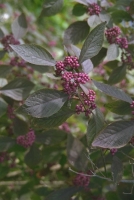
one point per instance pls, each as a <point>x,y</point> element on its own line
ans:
<point>26,140</point>
<point>17,62</point>
<point>70,80</point>
<point>65,127</point>
<point>132,106</point>
<point>112,34</point>
<point>94,9</point>
<point>7,40</point>
<point>87,103</point>
<point>10,112</point>
<point>113,151</point>
<point>81,180</point>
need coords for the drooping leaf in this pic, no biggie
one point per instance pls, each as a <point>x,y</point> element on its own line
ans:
<point>6,143</point>
<point>93,43</point>
<point>65,193</point>
<point>51,7</point>
<point>3,106</point>
<point>117,75</point>
<point>113,91</point>
<point>34,54</point>
<point>79,10</point>
<point>119,107</point>
<point>95,125</point>
<point>76,32</point>
<point>4,70</point>
<point>51,137</point>
<point>112,52</point>
<point>117,169</point>
<point>18,89</point>
<point>45,103</point>
<point>33,157</point>
<point>93,21</point>
<point>115,135</point>
<point>76,153</point>
<point>53,121</point>
<point>20,127</point>
<point>19,26</point>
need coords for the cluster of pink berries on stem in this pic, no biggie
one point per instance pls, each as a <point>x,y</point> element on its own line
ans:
<point>94,9</point>
<point>113,151</point>
<point>82,180</point>
<point>132,106</point>
<point>26,140</point>
<point>7,40</point>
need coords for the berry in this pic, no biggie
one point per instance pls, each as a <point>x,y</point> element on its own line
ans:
<point>81,180</point>
<point>112,33</point>
<point>122,42</point>
<point>126,57</point>
<point>7,40</point>
<point>71,61</point>
<point>94,9</point>
<point>26,140</point>
<point>113,151</point>
<point>59,68</point>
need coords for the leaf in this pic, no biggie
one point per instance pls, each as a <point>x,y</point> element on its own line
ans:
<point>87,66</point>
<point>119,15</point>
<point>3,106</point>
<point>19,26</point>
<point>76,32</point>
<point>40,68</point>
<point>34,54</point>
<point>93,43</point>
<point>79,10</point>
<point>51,137</point>
<point>119,107</point>
<point>113,91</point>
<point>65,193</point>
<point>84,2</point>
<point>53,121</point>
<point>93,21</point>
<point>18,89</point>
<point>76,153</point>
<point>96,60</point>
<point>45,103</point>
<point>20,127</point>
<point>112,52</point>
<point>117,75</point>
<point>1,34</point>
<point>51,7</point>
<point>123,2</point>
<point>2,53</point>
<point>6,143</point>
<point>115,135</point>
<point>3,82</point>
<point>117,169</point>
<point>105,17</point>
<point>33,157</point>
<point>4,70</point>
<point>95,125</point>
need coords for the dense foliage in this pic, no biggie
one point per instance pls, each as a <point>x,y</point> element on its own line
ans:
<point>66,100</point>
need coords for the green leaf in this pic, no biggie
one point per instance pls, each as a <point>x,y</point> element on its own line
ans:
<point>93,21</point>
<point>76,153</point>
<point>18,89</point>
<point>19,26</point>
<point>51,7</point>
<point>112,195</point>
<point>20,127</point>
<point>115,135</point>
<point>5,70</point>
<point>6,143</point>
<point>79,10</point>
<point>123,2</point>
<point>40,68</point>
<point>112,52</point>
<point>53,121</point>
<point>119,15</point>
<point>119,107</point>
<point>65,193</point>
<point>117,169</point>
<point>1,34</point>
<point>117,75</point>
<point>2,53</point>
<point>51,137</point>
<point>95,125</point>
<point>93,43</point>
<point>34,54</point>
<point>33,157</point>
<point>99,57</point>
<point>45,103</point>
<point>3,106</point>
<point>76,32</point>
<point>113,91</point>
